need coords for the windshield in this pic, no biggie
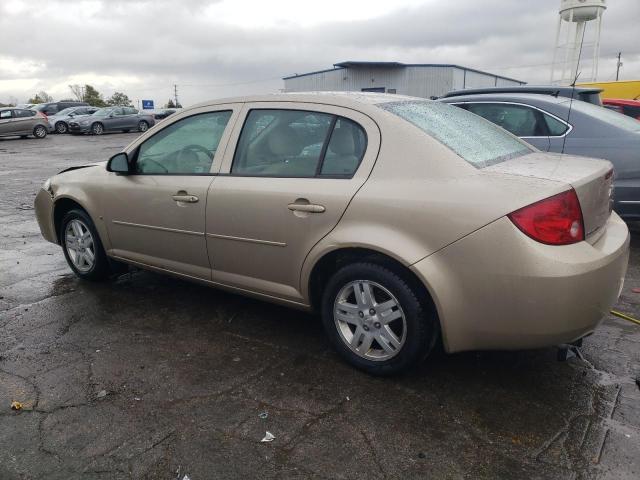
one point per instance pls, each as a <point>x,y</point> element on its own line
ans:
<point>103,112</point>
<point>39,107</point>
<point>66,111</point>
<point>608,116</point>
<point>473,138</point>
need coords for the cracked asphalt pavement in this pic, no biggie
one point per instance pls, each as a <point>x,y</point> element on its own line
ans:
<point>153,377</point>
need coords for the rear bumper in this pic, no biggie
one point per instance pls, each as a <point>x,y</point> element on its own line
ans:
<point>627,199</point>
<point>498,289</point>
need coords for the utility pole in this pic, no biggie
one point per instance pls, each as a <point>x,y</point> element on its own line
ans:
<point>175,94</point>
<point>618,66</point>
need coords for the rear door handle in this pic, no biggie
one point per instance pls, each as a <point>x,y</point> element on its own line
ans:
<point>184,197</point>
<point>306,207</point>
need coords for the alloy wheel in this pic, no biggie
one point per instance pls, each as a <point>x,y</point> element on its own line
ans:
<point>61,127</point>
<point>40,132</point>
<point>142,126</point>
<point>370,320</point>
<point>80,246</point>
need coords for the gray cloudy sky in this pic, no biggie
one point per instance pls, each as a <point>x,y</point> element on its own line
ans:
<point>219,48</point>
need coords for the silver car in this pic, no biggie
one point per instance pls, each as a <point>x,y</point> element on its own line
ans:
<point>109,119</point>
<point>547,123</point>
<point>22,122</point>
<point>59,122</point>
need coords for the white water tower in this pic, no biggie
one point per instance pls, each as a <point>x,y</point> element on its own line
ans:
<point>574,15</point>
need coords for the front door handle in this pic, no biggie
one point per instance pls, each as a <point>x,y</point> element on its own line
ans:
<point>306,207</point>
<point>183,196</point>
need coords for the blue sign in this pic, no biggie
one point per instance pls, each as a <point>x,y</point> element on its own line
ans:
<point>147,104</point>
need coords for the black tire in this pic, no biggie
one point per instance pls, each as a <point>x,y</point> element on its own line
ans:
<point>97,128</point>
<point>100,270</point>
<point>143,126</point>
<point>40,131</point>
<point>422,327</point>
<point>61,127</point>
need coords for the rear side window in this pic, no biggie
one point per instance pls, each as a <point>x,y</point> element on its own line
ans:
<point>555,126</point>
<point>298,143</point>
<point>24,113</point>
<point>517,119</point>
<point>477,141</point>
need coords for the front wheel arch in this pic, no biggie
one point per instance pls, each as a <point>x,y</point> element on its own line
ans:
<point>60,209</point>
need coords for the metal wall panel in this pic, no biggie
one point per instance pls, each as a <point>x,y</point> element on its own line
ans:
<point>417,81</point>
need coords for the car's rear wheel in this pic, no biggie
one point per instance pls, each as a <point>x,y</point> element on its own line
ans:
<point>62,127</point>
<point>143,126</point>
<point>82,247</point>
<point>377,320</point>
<point>97,129</point>
<point>39,131</point>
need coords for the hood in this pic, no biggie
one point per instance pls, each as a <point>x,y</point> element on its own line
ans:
<point>78,167</point>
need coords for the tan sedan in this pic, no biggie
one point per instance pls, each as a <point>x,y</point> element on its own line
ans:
<point>404,222</point>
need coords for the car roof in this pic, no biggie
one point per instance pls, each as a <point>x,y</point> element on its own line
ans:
<point>539,89</point>
<point>333,98</point>
<point>537,98</point>
<point>9,108</point>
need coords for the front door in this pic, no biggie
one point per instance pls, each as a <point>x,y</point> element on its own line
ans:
<point>284,185</point>
<point>156,215</point>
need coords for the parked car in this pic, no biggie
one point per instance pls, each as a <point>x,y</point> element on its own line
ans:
<point>630,108</point>
<point>586,94</point>
<point>544,121</point>
<point>22,122</point>
<point>414,222</point>
<point>111,119</point>
<point>25,106</point>
<point>52,108</point>
<point>59,122</point>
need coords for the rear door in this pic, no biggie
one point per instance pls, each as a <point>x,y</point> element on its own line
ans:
<point>131,118</point>
<point>115,120</point>
<point>25,120</point>
<point>288,175</point>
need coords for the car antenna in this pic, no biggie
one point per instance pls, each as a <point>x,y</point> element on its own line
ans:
<point>573,90</point>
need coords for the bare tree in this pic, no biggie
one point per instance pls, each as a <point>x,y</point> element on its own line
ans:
<point>78,92</point>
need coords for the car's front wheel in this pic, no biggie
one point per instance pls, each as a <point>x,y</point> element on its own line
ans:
<point>82,247</point>
<point>377,320</point>
<point>61,127</point>
<point>97,129</point>
<point>39,131</point>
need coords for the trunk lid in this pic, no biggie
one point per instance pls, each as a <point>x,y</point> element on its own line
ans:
<point>592,180</point>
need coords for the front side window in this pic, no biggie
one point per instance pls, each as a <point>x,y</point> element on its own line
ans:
<point>298,143</point>
<point>475,140</point>
<point>5,114</point>
<point>187,146</point>
<point>520,120</point>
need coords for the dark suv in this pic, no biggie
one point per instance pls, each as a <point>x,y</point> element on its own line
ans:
<point>52,108</point>
<point>586,94</point>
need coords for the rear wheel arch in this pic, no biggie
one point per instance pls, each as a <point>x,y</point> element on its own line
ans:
<point>332,261</point>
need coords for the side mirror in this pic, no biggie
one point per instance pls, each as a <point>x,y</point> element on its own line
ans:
<point>119,163</point>
<point>111,115</point>
<point>72,114</point>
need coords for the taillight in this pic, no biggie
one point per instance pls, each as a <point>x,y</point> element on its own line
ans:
<point>42,114</point>
<point>555,220</point>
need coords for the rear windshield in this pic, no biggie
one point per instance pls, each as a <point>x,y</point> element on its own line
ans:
<point>476,140</point>
<point>608,116</point>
